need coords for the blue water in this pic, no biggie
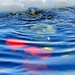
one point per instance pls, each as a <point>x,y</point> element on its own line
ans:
<point>38,44</point>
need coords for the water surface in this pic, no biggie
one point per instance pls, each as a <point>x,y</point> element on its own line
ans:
<point>39,44</point>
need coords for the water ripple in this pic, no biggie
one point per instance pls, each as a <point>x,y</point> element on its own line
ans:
<point>37,41</point>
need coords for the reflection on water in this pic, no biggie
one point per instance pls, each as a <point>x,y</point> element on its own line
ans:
<point>38,43</point>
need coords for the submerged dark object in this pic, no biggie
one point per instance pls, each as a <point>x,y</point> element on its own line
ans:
<point>33,15</point>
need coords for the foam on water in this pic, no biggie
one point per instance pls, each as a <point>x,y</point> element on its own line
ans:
<point>22,5</point>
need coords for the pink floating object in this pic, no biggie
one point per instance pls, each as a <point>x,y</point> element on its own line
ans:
<point>37,51</point>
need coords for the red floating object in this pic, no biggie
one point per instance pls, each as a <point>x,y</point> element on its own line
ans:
<point>15,43</point>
